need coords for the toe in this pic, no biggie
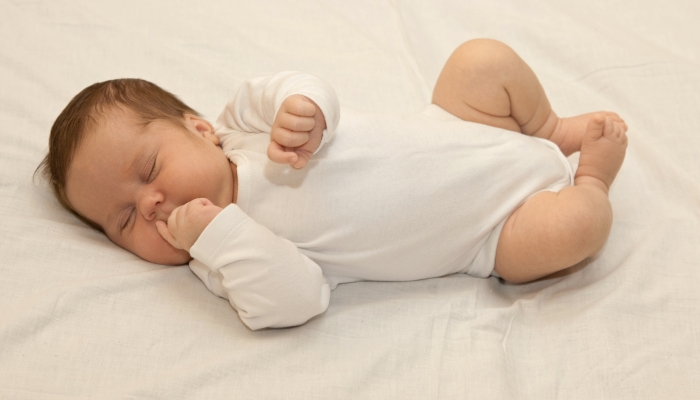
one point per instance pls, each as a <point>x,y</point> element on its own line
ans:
<point>613,116</point>
<point>616,118</point>
<point>597,121</point>
<point>618,131</point>
<point>609,128</point>
<point>622,126</point>
<point>620,121</point>
<point>594,130</point>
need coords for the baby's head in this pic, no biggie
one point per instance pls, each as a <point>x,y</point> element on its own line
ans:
<point>124,153</point>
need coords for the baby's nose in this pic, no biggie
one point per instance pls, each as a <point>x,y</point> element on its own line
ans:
<point>152,206</point>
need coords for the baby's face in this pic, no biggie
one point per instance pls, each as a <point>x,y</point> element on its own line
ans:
<point>125,177</point>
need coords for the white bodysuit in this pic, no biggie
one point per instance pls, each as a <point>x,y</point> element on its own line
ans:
<point>386,198</point>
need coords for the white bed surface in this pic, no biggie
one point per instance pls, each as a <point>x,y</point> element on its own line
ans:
<point>81,318</point>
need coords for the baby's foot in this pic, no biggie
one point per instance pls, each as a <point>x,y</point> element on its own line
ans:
<point>603,149</point>
<point>569,132</point>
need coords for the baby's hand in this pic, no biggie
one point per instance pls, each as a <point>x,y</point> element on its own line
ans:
<point>296,132</point>
<point>187,222</point>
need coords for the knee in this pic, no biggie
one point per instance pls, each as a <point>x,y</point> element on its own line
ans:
<point>485,45</point>
<point>478,61</point>
<point>485,54</point>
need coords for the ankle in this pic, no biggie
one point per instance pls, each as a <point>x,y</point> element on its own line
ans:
<point>592,182</point>
<point>547,129</point>
<point>566,137</point>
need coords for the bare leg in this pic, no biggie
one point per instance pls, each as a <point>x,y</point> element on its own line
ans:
<point>553,231</point>
<point>485,81</point>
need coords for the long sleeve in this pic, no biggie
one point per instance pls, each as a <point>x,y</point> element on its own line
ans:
<point>255,105</point>
<point>264,277</point>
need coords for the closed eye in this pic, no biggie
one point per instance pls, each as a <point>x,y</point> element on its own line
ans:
<point>126,219</point>
<point>152,173</point>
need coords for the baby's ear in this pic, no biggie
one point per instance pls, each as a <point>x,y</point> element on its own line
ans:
<point>202,127</point>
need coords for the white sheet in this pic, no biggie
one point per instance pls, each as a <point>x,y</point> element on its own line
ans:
<point>81,318</point>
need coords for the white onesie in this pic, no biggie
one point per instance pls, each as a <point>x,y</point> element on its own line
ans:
<point>386,198</point>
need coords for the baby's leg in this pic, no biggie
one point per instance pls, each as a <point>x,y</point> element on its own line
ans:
<point>553,231</point>
<point>485,81</point>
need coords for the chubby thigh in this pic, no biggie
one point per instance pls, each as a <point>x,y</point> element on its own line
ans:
<point>552,231</point>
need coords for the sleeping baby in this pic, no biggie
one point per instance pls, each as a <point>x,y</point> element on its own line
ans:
<point>282,199</point>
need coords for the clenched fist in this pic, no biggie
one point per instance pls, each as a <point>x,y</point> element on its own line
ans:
<point>187,222</point>
<point>296,132</point>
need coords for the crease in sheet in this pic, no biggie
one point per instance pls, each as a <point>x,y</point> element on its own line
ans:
<point>504,341</point>
<point>438,337</point>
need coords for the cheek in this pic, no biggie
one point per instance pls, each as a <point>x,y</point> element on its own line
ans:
<point>187,181</point>
<point>193,169</point>
<point>149,245</point>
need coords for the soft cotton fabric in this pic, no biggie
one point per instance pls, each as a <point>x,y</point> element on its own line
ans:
<point>388,198</point>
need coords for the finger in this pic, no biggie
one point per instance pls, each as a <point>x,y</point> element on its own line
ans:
<point>204,201</point>
<point>296,123</point>
<point>277,153</point>
<point>180,215</point>
<point>302,107</point>
<point>173,221</point>
<point>288,138</point>
<point>200,201</point>
<point>304,157</point>
<point>162,228</point>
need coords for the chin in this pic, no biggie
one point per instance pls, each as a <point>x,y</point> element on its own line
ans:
<point>178,260</point>
<point>169,256</point>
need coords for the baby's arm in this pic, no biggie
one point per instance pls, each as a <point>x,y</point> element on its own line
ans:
<point>265,278</point>
<point>260,106</point>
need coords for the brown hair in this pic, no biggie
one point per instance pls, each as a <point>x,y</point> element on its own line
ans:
<point>148,101</point>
